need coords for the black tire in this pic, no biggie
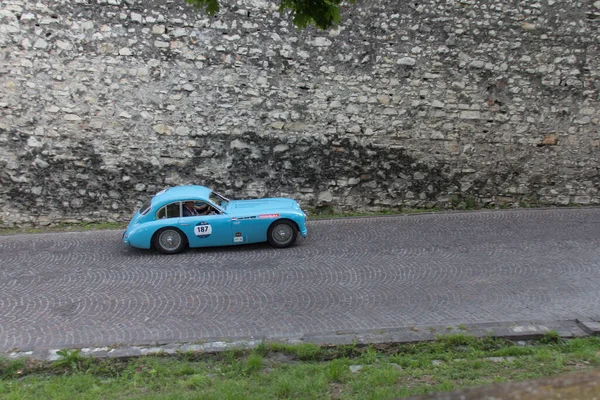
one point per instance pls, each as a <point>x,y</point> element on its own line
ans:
<point>169,241</point>
<point>282,233</point>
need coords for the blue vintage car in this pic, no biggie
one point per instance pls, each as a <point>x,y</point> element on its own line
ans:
<point>196,216</point>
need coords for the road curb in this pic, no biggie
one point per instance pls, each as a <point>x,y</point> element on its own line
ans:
<point>514,331</point>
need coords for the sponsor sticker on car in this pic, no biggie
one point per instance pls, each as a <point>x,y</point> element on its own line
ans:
<point>268,216</point>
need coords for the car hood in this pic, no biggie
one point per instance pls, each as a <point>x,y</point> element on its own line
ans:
<point>258,206</point>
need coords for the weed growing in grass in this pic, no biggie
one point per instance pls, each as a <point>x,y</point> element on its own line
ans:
<point>336,370</point>
<point>11,368</point>
<point>106,368</point>
<point>349,350</point>
<point>198,382</point>
<point>232,366</point>
<point>490,343</point>
<point>254,363</point>
<point>284,387</point>
<point>512,351</point>
<point>470,204</point>
<point>369,356</point>
<point>458,339</point>
<point>70,359</point>
<point>307,351</point>
<point>185,369</point>
<point>583,350</point>
<point>384,376</point>
<point>261,349</point>
<point>191,355</point>
<point>232,354</point>
<point>322,211</point>
<point>551,337</point>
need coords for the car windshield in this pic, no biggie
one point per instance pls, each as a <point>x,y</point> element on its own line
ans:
<point>219,200</point>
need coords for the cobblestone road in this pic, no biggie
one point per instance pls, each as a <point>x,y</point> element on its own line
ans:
<point>81,289</point>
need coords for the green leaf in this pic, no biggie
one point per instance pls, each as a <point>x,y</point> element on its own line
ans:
<point>323,14</point>
<point>211,7</point>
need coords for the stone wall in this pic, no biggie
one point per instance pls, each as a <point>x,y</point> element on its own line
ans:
<point>408,104</point>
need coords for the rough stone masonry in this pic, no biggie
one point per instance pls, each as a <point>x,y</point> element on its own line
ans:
<point>417,103</point>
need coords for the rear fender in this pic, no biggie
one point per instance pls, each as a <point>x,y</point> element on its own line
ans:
<point>141,235</point>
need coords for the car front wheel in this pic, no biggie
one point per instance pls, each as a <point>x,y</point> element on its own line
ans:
<point>282,233</point>
<point>169,241</point>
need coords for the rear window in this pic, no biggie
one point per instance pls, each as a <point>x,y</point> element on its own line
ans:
<point>146,207</point>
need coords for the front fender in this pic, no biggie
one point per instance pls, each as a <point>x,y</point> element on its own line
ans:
<point>300,220</point>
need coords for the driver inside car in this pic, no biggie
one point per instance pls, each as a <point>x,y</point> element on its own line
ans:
<point>190,209</point>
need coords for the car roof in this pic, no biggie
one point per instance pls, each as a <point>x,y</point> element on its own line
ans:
<point>177,193</point>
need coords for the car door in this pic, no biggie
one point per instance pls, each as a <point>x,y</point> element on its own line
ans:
<point>250,229</point>
<point>207,230</point>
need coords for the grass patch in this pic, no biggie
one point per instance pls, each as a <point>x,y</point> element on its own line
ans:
<point>65,227</point>
<point>279,371</point>
<point>551,337</point>
<point>328,213</point>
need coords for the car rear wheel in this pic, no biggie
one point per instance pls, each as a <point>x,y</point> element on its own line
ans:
<point>169,241</point>
<point>282,233</point>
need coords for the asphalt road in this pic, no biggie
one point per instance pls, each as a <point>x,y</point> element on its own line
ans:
<point>86,288</point>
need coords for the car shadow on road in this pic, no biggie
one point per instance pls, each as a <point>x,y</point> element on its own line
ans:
<point>231,249</point>
<point>129,251</point>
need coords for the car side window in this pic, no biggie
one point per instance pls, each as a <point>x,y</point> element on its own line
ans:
<point>169,211</point>
<point>173,210</point>
<point>192,208</point>
<point>209,210</point>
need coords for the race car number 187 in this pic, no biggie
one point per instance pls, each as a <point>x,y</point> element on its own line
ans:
<point>202,230</point>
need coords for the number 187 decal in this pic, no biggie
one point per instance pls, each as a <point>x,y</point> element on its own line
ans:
<point>203,230</point>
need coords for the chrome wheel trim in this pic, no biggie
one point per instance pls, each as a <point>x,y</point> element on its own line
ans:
<point>282,234</point>
<point>169,240</point>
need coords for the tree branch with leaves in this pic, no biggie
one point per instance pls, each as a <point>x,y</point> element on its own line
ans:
<point>323,14</point>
